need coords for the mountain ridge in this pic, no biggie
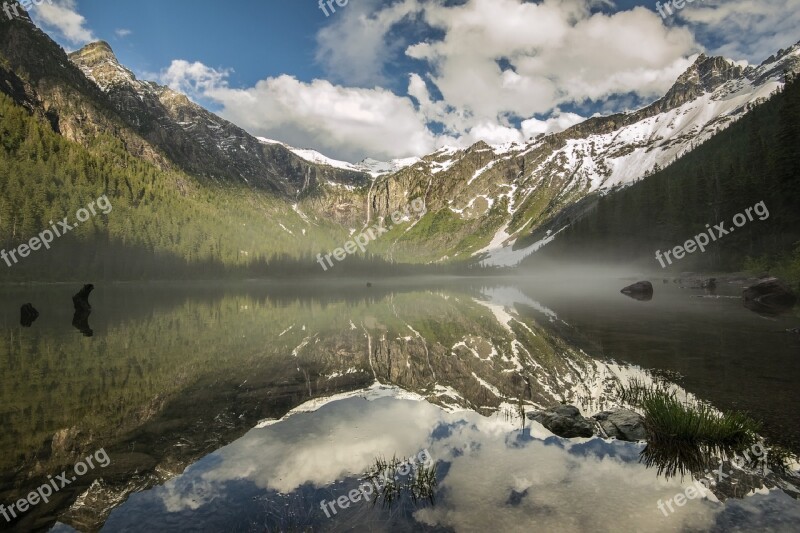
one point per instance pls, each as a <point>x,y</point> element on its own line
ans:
<point>200,142</point>
<point>520,188</point>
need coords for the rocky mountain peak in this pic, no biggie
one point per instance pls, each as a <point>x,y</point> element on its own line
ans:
<point>705,75</point>
<point>98,62</point>
<point>96,52</point>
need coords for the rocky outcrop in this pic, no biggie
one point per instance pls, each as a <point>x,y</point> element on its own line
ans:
<point>705,75</point>
<point>567,422</point>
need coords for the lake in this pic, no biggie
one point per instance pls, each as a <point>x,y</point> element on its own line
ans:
<point>242,406</point>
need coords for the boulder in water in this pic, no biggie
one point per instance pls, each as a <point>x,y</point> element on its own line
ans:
<point>769,296</point>
<point>710,284</point>
<point>28,315</point>
<point>81,298</point>
<point>642,290</point>
<point>622,424</point>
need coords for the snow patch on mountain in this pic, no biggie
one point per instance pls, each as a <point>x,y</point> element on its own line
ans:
<point>599,162</point>
<point>372,167</point>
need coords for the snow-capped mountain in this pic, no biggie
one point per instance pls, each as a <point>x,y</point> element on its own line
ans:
<point>488,197</point>
<point>379,168</point>
<point>370,166</point>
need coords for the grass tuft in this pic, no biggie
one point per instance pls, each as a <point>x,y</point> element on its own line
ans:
<point>683,436</point>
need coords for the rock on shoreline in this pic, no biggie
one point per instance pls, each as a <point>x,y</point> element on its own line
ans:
<point>567,422</point>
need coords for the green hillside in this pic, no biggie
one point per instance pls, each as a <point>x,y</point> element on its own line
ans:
<point>162,222</point>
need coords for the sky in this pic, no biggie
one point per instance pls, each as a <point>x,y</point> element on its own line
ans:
<point>398,78</point>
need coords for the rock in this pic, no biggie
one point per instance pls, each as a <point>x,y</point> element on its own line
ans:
<point>81,299</point>
<point>622,424</point>
<point>770,296</point>
<point>565,421</point>
<point>28,315</point>
<point>642,290</point>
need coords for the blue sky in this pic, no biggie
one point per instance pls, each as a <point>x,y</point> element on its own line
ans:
<point>394,78</point>
<point>256,39</point>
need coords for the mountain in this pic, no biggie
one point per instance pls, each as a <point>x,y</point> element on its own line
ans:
<point>501,203</point>
<point>66,141</point>
<point>745,179</point>
<point>198,141</point>
<point>370,166</point>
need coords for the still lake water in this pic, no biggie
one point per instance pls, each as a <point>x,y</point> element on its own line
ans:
<point>187,388</point>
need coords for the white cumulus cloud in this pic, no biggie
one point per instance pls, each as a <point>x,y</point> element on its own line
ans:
<point>62,16</point>
<point>492,70</point>
<point>496,63</point>
<point>748,29</point>
<point>345,122</point>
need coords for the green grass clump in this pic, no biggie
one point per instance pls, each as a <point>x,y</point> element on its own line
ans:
<point>684,436</point>
<point>666,417</point>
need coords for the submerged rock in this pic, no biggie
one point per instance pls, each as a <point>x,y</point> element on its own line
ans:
<point>769,296</point>
<point>28,315</point>
<point>622,424</point>
<point>642,290</point>
<point>565,421</point>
